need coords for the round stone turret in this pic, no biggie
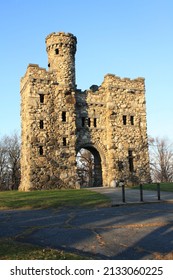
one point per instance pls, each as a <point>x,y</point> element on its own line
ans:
<point>61,49</point>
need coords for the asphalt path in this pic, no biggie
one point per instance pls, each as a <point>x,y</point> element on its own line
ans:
<point>134,195</point>
<point>132,231</point>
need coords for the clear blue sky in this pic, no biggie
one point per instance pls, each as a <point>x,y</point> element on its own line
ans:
<point>129,38</point>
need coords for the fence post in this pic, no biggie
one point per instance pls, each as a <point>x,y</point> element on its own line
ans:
<point>158,191</point>
<point>141,193</point>
<point>123,194</point>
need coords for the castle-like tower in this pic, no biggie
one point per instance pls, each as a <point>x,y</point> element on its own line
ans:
<point>61,49</point>
<point>58,120</point>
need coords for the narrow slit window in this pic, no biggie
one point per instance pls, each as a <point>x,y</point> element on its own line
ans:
<point>40,150</point>
<point>83,121</point>
<point>64,141</point>
<point>124,120</point>
<point>41,98</point>
<point>95,122</point>
<point>120,165</point>
<point>132,120</point>
<point>56,51</point>
<point>64,118</point>
<point>41,124</point>
<point>131,164</point>
<point>89,122</point>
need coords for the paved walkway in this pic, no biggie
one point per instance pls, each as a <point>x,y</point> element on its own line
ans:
<point>133,196</point>
<point>136,231</point>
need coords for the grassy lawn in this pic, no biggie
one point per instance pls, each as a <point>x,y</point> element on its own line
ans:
<point>165,187</point>
<point>13,250</point>
<point>51,199</point>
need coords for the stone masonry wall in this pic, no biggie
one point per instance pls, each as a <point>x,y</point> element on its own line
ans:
<point>58,120</point>
<point>119,108</point>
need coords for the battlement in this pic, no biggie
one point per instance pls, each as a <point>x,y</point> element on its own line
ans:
<point>57,39</point>
<point>35,72</point>
<point>114,77</point>
<point>126,83</point>
<point>32,66</point>
<point>34,69</point>
<point>61,34</point>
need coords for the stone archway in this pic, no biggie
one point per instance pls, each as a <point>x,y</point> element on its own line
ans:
<point>97,179</point>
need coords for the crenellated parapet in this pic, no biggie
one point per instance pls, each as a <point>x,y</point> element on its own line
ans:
<point>128,84</point>
<point>59,39</point>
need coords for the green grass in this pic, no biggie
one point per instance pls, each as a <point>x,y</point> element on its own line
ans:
<point>51,199</point>
<point>165,187</point>
<point>13,250</point>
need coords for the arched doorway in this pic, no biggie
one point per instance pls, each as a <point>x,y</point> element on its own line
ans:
<point>89,168</point>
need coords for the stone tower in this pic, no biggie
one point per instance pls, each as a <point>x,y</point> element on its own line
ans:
<point>58,120</point>
<point>61,49</point>
<point>48,155</point>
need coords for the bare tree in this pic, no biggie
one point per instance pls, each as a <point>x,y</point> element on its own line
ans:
<point>85,168</point>
<point>3,164</point>
<point>161,160</point>
<point>9,162</point>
